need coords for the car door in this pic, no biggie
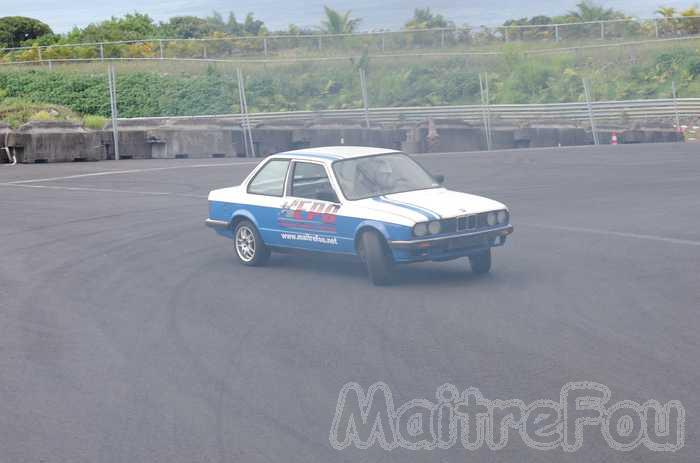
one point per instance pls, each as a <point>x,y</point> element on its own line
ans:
<point>308,219</point>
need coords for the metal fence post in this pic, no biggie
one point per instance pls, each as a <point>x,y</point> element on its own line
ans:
<point>245,119</point>
<point>160,46</point>
<point>488,108</point>
<point>556,33</point>
<point>675,106</point>
<point>365,98</point>
<point>485,114</point>
<point>243,124</point>
<point>102,52</point>
<point>656,28</point>
<point>112,83</point>
<point>442,39</point>
<point>587,92</point>
<point>265,45</point>
<point>39,51</point>
<point>320,43</point>
<point>602,31</point>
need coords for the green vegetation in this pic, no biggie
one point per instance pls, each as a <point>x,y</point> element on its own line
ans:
<point>94,122</point>
<point>229,38</point>
<point>27,32</point>
<point>161,89</point>
<point>339,23</point>
<point>16,30</point>
<point>423,18</point>
<point>17,111</point>
<point>589,11</point>
<point>43,115</point>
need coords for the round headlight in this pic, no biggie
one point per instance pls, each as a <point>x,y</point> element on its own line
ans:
<point>491,219</point>
<point>420,229</point>
<point>502,217</point>
<point>434,227</point>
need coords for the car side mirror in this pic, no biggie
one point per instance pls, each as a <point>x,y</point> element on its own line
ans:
<point>329,196</point>
<point>439,178</point>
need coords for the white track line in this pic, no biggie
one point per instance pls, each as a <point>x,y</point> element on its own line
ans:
<point>662,239</point>
<point>130,171</point>
<point>103,190</point>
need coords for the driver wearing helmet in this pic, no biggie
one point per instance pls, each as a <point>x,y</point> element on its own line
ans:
<point>376,175</point>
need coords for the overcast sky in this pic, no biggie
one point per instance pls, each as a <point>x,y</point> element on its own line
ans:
<point>278,14</point>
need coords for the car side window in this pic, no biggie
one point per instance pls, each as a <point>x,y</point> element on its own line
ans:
<point>270,179</point>
<point>311,181</point>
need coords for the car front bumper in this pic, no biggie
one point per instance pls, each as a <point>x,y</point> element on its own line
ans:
<point>449,247</point>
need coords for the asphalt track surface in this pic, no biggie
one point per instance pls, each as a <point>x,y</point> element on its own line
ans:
<point>128,333</point>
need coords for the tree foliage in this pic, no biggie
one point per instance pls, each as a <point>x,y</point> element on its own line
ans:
<point>14,30</point>
<point>339,23</point>
<point>674,21</point>
<point>423,18</point>
<point>134,26</point>
<point>518,78</point>
<point>186,27</point>
<point>587,10</point>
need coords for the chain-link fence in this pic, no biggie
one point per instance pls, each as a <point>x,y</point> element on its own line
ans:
<point>363,103</point>
<point>486,90</point>
<point>476,39</point>
<point>251,109</point>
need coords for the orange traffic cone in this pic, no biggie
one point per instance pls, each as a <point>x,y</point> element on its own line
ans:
<point>613,140</point>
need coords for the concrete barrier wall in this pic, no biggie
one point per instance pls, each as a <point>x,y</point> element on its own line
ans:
<point>196,138</point>
<point>56,142</point>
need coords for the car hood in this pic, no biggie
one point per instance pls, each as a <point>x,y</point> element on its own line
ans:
<point>440,203</point>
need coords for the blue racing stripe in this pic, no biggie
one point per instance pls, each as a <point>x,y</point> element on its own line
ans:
<point>427,212</point>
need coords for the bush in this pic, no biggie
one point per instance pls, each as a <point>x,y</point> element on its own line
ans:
<point>185,89</point>
<point>42,116</point>
<point>94,122</point>
<point>18,111</point>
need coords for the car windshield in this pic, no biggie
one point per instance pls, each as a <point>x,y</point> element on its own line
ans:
<point>369,176</point>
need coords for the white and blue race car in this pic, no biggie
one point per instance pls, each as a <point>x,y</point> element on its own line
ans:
<point>377,204</point>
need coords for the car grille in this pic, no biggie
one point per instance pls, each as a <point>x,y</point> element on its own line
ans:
<point>464,223</point>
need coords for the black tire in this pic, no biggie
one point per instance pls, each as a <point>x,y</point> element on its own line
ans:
<point>380,265</point>
<point>481,263</point>
<point>248,245</point>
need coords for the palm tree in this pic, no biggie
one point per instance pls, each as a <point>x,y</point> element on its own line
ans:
<point>669,23</point>
<point>667,12</point>
<point>689,21</point>
<point>589,11</point>
<point>339,23</point>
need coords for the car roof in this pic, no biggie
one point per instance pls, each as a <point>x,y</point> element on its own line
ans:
<point>335,153</point>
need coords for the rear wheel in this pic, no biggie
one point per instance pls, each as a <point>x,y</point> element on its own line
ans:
<point>249,246</point>
<point>481,263</point>
<point>374,252</point>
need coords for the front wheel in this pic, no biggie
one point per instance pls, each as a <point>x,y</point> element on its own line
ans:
<point>380,265</point>
<point>250,248</point>
<point>481,263</point>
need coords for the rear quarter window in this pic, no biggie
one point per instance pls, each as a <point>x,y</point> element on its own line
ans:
<point>270,179</point>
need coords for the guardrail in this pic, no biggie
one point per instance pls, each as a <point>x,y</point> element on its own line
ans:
<point>462,37</point>
<point>563,112</point>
